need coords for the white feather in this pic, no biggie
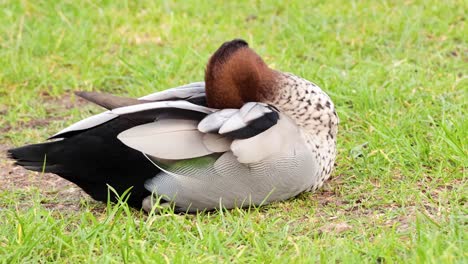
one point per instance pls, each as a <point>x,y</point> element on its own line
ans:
<point>173,139</point>
<point>216,143</point>
<point>248,113</point>
<point>214,121</point>
<point>252,111</point>
<point>235,122</point>
<point>273,141</point>
<point>89,122</point>
<point>191,90</point>
<point>180,104</point>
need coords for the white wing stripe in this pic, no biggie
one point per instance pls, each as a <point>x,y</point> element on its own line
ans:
<point>89,122</point>
<point>183,92</point>
<point>192,90</point>
<point>164,104</point>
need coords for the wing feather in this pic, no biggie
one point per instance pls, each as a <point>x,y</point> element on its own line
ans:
<point>189,91</point>
<point>173,139</point>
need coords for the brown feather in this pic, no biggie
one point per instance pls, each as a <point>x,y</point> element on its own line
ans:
<point>235,75</point>
<point>109,101</point>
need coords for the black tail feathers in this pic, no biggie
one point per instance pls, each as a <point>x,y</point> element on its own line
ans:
<point>34,157</point>
<point>94,160</point>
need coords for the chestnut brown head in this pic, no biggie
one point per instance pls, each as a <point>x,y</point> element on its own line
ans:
<point>235,75</point>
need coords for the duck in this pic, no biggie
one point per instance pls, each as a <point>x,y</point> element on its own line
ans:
<point>248,135</point>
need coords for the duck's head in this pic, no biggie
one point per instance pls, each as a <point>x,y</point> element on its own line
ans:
<point>235,75</point>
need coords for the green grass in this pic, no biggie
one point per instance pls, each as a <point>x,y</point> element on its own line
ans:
<point>396,70</point>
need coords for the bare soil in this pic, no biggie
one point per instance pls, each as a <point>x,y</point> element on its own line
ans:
<point>57,192</point>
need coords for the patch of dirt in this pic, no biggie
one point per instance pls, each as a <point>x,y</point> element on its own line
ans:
<point>66,101</point>
<point>334,228</point>
<point>332,206</point>
<point>58,193</point>
<point>53,105</point>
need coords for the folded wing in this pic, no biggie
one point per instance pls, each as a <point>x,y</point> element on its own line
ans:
<point>193,92</point>
<point>181,137</point>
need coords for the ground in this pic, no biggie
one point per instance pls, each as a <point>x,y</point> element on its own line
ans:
<point>396,71</point>
<point>56,193</point>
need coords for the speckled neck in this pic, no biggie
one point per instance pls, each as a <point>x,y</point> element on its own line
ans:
<point>314,112</point>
